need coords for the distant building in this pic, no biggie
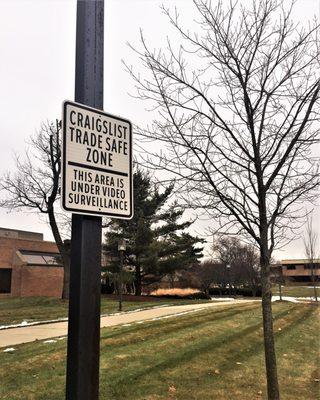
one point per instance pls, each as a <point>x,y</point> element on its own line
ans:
<point>298,271</point>
<point>29,266</point>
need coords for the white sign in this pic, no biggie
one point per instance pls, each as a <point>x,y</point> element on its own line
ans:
<point>96,162</point>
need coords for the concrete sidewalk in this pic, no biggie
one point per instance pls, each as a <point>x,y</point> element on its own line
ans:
<point>14,336</point>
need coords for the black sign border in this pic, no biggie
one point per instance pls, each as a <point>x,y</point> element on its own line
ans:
<point>63,194</point>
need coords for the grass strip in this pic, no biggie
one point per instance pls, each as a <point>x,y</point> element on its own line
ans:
<point>30,309</point>
<point>210,354</point>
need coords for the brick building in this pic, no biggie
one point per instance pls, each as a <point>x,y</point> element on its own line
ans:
<point>298,272</point>
<point>29,266</point>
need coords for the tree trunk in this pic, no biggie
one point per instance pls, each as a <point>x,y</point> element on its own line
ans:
<point>64,252</point>
<point>138,280</point>
<point>171,280</point>
<point>269,347</point>
<point>314,283</point>
<point>280,291</point>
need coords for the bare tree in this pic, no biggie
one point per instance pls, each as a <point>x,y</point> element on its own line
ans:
<point>242,260</point>
<point>237,131</point>
<point>311,251</point>
<point>35,186</point>
<point>228,251</point>
<point>208,273</point>
<point>277,277</point>
<point>249,268</point>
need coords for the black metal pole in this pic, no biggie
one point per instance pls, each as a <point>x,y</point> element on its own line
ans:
<point>85,272</point>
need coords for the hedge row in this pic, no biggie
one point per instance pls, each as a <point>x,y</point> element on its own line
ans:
<point>246,292</point>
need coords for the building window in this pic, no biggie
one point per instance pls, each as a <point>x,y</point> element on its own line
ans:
<point>291,267</point>
<point>311,266</point>
<point>42,258</point>
<point>5,280</point>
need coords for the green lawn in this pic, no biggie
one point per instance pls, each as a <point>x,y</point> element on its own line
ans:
<point>16,310</point>
<point>212,354</point>
<point>295,291</point>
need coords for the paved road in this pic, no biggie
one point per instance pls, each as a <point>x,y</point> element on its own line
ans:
<point>13,336</point>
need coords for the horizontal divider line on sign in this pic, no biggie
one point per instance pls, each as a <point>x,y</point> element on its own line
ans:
<point>97,168</point>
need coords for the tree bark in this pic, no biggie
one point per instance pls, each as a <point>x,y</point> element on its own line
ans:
<point>269,346</point>
<point>63,252</point>
<point>138,281</point>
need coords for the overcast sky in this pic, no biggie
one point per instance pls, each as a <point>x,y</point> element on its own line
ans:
<point>37,47</point>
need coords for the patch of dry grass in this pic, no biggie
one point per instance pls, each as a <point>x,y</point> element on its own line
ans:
<point>174,292</point>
